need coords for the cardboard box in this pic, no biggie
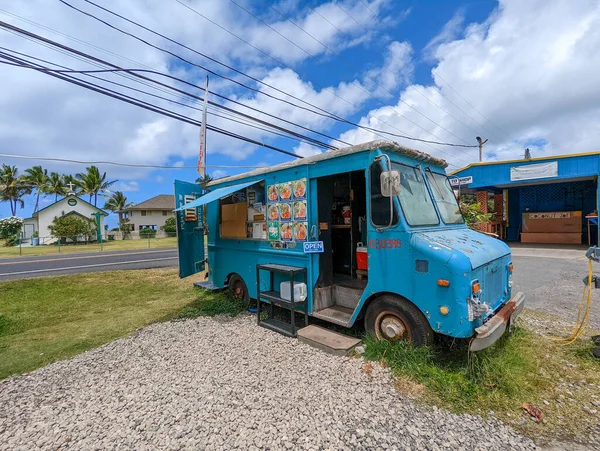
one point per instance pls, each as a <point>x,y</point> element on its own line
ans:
<point>551,238</point>
<point>553,222</point>
<point>233,220</point>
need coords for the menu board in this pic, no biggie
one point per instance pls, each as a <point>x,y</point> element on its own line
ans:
<point>287,211</point>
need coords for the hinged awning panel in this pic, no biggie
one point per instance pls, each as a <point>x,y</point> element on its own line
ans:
<point>216,195</point>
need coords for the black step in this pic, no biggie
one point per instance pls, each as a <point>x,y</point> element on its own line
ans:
<point>278,326</point>
<point>275,298</point>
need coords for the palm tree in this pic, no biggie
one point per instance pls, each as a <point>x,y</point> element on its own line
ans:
<point>204,181</point>
<point>12,187</point>
<point>37,178</point>
<point>92,183</point>
<point>56,185</point>
<point>117,202</point>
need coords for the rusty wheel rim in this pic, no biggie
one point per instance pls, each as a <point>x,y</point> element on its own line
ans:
<point>392,326</point>
<point>238,290</point>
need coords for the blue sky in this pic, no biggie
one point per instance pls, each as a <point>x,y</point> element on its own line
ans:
<point>517,74</point>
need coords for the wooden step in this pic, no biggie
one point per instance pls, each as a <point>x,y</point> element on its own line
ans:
<point>327,340</point>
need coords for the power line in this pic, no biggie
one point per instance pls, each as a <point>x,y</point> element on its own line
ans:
<point>394,74</point>
<point>129,71</point>
<point>132,72</point>
<point>258,91</point>
<point>273,128</point>
<point>129,165</point>
<point>143,104</point>
<point>377,132</point>
<point>325,46</point>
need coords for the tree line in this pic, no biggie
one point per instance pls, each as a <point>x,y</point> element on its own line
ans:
<point>38,182</point>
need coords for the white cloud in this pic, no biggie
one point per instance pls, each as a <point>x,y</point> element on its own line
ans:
<point>126,187</point>
<point>44,116</point>
<point>218,173</point>
<point>449,32</point>
<point>530,69</point>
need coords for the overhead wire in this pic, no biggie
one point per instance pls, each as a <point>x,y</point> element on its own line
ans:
<point>373,130</point>
<point>225,65</point>
<point>377,83</point>
<point>393,56</point>
<point>129,165</point>
<point>140,103</point>
<point>134,73</point>
<point>272,128</point>
<point>375,16</point>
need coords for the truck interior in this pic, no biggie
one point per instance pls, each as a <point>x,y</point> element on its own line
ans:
<point>342,207</point>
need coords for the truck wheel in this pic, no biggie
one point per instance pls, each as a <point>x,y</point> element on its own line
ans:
<point>393,318</point>
<point>239,289</point>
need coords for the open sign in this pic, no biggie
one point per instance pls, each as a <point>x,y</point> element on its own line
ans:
<point>313,247</point>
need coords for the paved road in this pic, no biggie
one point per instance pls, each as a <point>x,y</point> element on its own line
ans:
<point>551,280</point>
<point>55,265</point>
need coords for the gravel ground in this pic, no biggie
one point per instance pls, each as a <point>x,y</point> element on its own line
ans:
<point>224,384</point>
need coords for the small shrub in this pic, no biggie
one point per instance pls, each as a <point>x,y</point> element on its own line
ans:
<point>147,233</point>
<point>10,228</point>
<point>170,225</point>
<point>72,227</point>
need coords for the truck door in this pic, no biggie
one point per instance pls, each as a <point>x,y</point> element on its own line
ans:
<point>190,230</point>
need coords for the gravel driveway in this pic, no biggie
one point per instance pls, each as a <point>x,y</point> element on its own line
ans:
<point>223,384</point>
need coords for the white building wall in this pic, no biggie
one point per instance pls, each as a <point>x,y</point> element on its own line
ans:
<point>152,218</point>
<point>45,217</point>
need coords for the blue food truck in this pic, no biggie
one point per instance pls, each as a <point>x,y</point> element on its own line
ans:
<point>370,233</point>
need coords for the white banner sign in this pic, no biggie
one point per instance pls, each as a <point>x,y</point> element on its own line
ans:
<point>534,171</point>
<point>459,181</point>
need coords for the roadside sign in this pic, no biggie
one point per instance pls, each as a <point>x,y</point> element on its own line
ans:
<point>313,247</point>
<point>459,181</point>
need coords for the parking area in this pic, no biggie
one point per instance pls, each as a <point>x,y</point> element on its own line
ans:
<point>552,279</point>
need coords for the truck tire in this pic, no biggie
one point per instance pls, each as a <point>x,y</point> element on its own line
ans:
<point>392,318</point>
<point>239,290</point>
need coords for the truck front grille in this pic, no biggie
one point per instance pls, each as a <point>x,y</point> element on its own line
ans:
<point>493,282</point>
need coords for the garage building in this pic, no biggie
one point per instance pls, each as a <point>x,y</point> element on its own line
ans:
<point>551,200</point>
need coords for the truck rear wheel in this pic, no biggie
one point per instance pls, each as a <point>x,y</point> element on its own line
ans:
<point>238,288</point>
<point>393,318</point>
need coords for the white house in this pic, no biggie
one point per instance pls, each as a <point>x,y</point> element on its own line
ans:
<point>69,205</point>
<point>152,213</point>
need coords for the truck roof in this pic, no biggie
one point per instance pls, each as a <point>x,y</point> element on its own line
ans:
<point>368,146</point>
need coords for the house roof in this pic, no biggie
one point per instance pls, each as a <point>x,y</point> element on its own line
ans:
<point>390,146</point>
<point>160,202</point>
<point>79,199</point>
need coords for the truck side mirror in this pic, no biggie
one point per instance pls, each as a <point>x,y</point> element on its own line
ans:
<point>390,183</point>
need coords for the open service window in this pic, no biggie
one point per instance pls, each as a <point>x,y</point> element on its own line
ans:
<point>242,214</point>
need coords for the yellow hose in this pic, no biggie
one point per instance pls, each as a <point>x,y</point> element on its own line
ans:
<point>582,320</point>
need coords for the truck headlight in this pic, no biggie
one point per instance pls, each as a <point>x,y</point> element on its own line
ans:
<point>510,273</point>
<point>475,307</point>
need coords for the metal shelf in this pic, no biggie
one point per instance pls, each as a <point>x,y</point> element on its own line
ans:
<point>279,326</point>
<point>275,298</point>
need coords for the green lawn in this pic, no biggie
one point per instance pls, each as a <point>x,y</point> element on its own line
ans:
<point>48,319</point>
<point>121,245</point>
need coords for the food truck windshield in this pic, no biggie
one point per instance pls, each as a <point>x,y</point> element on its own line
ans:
<point>419,203</point>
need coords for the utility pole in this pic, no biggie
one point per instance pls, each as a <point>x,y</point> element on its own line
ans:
<point>481,143</point>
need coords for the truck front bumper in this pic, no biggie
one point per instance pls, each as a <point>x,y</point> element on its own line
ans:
<point>487,334</point>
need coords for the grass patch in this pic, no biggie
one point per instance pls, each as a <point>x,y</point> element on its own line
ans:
<point>120,245</point>
<point>211,303</point>
<point>522,367</point>
<point>47,319</point>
